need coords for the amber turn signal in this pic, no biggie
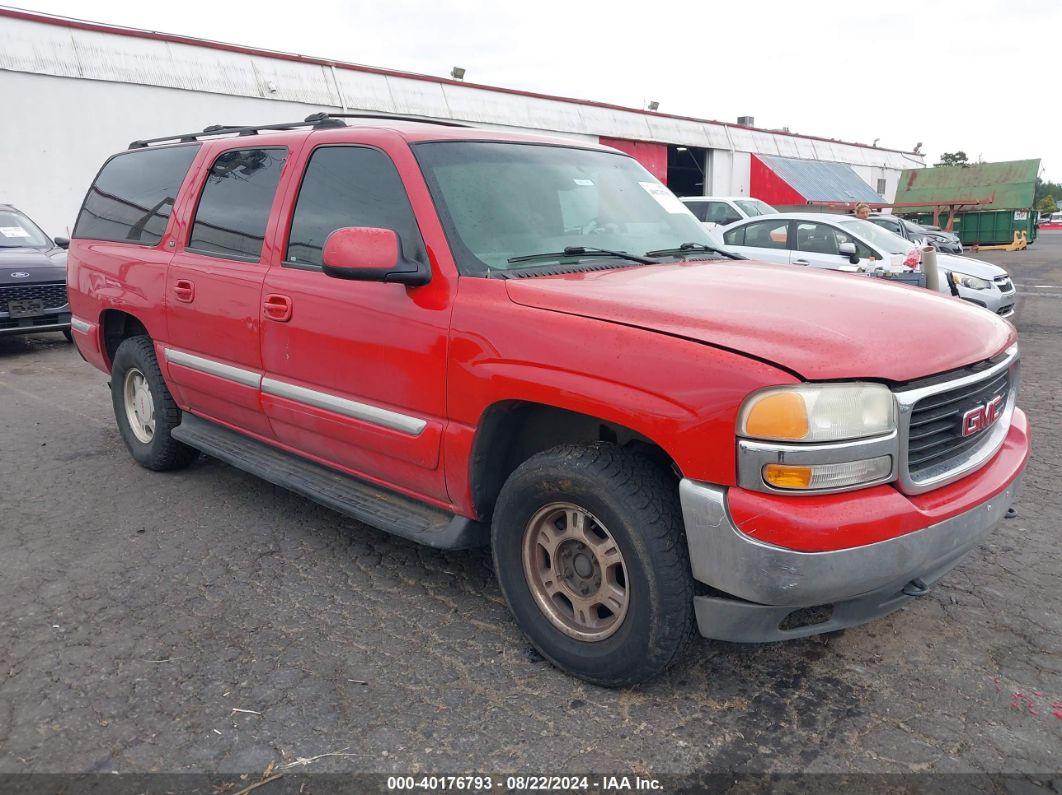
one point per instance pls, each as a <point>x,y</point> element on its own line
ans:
<point>782,476</point>
<point>828,476</point>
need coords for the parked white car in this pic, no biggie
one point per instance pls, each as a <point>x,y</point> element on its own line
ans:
<point>718,211</point>
<point>847,243</point>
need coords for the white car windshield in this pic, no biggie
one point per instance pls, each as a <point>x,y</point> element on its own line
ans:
<point>754,207</point>
<point>883,239</point>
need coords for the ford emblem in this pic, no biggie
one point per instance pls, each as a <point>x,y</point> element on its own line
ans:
<point>19,275</point>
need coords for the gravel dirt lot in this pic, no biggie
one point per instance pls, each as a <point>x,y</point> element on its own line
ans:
<point>205,621</point>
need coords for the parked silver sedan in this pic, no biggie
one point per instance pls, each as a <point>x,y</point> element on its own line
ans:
<point>847,243</point>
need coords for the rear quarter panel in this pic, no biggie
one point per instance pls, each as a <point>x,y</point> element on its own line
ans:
<point>103,275</point>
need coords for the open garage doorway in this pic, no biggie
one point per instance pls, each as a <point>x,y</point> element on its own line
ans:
<point>685,169</point>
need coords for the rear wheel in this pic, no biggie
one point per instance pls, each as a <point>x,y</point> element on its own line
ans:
<point>591,556</point>
<point>144,409</point>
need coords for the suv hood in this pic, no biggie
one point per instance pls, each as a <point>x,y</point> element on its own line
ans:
<point>42,265</point>
<point>817,324</point>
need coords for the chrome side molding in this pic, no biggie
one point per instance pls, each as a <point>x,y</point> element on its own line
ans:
<point>374,415</point>
<point>350,408</point>
<point>221,370</point>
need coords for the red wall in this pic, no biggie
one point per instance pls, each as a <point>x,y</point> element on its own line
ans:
<point>652,156</point>
<point>768,187</point>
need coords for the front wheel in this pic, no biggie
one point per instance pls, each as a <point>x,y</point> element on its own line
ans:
<point>144,409</point>
<point>591,557</point>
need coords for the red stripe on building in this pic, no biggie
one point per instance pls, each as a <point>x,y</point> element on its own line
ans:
<point>767,186</point>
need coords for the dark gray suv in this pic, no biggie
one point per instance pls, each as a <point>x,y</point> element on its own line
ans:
<point>32,277</point>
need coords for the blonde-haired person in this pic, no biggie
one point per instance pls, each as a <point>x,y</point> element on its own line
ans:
<point>862,211</point>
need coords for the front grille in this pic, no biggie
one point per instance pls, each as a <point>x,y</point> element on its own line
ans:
<point>935,431</point>
<point>1004,284</point>
<point>54,295</point>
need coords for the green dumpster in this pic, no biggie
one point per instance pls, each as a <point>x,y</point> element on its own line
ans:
<point>996,199</point>
<point>986,227</point>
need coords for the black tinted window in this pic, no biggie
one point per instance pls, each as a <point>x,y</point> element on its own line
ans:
<point>699,209</point>
<point>892,226</point>
<point>350,186</point>
<point>735,237</point>
<point>132,198</point>
<point>766,234</point>
<point>234,209</point>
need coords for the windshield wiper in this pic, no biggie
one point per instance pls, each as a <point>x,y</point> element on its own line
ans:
<point>582,251</point>
<point>687,248</point>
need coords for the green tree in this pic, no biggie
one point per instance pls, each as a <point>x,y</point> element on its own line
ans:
<point>1047,189</point>
<point>958,158</point>
<point>1047,205</point>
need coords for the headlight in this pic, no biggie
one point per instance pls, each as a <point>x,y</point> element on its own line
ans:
<point>972,282</point>
<point>818,413</point>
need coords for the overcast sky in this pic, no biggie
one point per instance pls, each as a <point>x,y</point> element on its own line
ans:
<point>954,75</point>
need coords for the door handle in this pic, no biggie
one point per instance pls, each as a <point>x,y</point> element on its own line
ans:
<point>801,262</point>
<point>277,307</point>
<point>184,291</point>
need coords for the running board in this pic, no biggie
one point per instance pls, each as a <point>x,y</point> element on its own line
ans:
<point>375,506</point>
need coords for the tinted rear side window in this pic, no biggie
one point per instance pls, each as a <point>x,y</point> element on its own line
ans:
<point>132,197</point>
<point>350,186</point>
<point>735,237</point>
<point>699,209</point>
<point>234,209</point>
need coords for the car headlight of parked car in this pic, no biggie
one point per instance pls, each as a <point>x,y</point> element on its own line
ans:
<point>817,437</point>
<point>971,282</point>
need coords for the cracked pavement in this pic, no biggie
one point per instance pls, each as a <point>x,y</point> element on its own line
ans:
<point>206,621</point>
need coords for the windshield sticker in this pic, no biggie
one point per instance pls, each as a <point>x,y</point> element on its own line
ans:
<point>583,182</point>
<point>664,197</point>
<point>13,231</point>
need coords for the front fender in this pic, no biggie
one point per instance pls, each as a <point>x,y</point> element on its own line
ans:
<point>682,395</point>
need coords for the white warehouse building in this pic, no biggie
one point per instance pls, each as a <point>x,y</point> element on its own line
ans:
<point>88,89</point>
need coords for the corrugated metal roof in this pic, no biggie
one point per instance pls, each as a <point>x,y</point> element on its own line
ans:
<point>1008,185</point>
<point>820,181</point>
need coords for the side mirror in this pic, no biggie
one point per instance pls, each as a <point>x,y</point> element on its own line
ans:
<point>849,250</point>
<point>62,242</point>
<point>368,254</point>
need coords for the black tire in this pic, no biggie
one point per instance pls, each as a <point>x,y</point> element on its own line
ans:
<point>637,501</point>
<point>162,452</point>
<point>68,334</point>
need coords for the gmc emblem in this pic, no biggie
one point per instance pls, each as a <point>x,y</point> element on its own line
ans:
<point>979,418</point>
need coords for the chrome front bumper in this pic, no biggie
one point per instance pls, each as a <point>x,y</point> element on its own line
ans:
<point>765,585</point>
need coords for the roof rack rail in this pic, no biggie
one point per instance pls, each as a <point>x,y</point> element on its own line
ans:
<point>319,121</point>
<point>218,129</point>
<point>323,119</point>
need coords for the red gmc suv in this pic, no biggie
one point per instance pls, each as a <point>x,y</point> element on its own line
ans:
<point>464,336</point>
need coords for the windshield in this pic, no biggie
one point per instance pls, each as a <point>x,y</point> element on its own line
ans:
<point>501,201</point>
<point>18,231</point>
<point>754,207</point>
<point>883,239</point>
